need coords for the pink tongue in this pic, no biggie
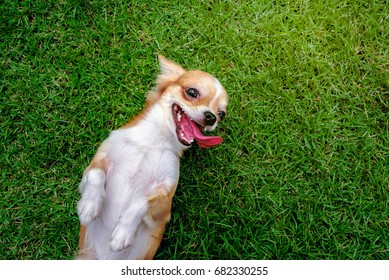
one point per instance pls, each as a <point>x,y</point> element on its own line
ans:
<point>202,140</point>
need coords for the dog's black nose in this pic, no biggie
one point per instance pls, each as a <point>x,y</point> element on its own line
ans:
<point>209,118</point>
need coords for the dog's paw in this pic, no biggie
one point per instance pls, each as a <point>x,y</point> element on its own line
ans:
<point>121,238</point>
<point>88,209</point>
<point>92,189</point>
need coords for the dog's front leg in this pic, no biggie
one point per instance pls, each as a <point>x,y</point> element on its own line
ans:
<point>124,233</point>
<point>92,187</point>
<point>153,209</point>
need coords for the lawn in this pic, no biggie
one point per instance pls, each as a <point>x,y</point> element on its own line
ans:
<point>303,172</point>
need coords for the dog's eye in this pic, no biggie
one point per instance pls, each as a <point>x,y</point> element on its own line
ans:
<point>221,114</point>
<point>192,92</point>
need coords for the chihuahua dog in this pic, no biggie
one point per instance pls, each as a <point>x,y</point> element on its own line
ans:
<point>128,187</point>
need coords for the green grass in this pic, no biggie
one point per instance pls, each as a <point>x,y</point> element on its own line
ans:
<point>303,171</point>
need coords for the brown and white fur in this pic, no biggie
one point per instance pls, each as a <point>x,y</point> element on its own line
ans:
<point>128,187</point>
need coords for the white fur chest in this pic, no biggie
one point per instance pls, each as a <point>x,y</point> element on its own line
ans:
<point>137,166</point>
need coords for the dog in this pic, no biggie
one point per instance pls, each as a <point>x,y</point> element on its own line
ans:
<point>127,190</point>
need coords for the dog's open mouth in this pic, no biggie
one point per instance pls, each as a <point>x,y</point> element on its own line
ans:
<point>189,131</point>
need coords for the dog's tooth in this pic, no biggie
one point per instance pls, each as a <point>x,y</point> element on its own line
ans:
<point>179,116</point>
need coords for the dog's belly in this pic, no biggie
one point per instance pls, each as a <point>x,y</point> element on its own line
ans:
<point>133,174</point>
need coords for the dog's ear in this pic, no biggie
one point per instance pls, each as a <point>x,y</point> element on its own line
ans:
<point>170,72</point>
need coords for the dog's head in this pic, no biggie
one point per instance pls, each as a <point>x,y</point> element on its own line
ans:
<point>195,100</point>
